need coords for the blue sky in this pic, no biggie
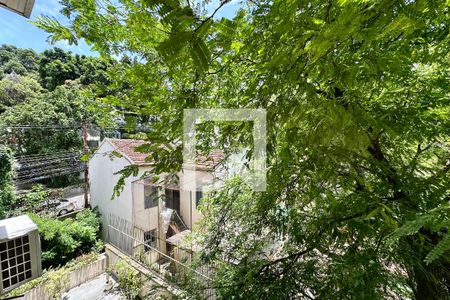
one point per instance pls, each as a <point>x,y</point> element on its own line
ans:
<point>16,30</point>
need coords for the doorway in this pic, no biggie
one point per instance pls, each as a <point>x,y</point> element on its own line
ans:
<point>173,199</point>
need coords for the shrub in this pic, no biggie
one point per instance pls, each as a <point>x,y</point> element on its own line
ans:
<point>6,174</point>
<point>62,241</point>
<point>128,279</point>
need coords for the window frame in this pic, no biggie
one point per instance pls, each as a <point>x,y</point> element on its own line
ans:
<point>152,237</point>
<point>150,201</point>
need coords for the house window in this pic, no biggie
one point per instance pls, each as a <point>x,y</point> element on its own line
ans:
<point>150,240</point>
<point>92,144</point>
<point>198,197</point>
<point>150,196</point>
<point>15,261</point>
<point>173,199</point>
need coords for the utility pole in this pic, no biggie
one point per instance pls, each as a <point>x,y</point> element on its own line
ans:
<point>86,167</point>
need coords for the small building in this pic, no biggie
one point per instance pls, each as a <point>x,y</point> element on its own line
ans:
<point>157,210</point>
<point>20,252</point>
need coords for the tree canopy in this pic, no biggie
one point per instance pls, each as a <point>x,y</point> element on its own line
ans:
<point>55,89</point>
<point>358,108</point>
<point>44,102</point>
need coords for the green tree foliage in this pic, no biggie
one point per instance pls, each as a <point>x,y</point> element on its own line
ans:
<point>57,117</point>
<point>62,107</point>
<point>57,66</point>
<point>54,66</point>
<point>62,241</point>
<point>67,106</point>
<point>14,66</point>
<point>129,279</point>
<point>358,135</point>
<point>54,93</point>
<point>15,90</point>
<point>28,201</point>
<point>6,174</point>
<point>19,61</point>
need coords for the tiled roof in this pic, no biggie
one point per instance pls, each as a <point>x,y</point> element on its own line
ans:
<point>127,148</point>
<point>211,161</point>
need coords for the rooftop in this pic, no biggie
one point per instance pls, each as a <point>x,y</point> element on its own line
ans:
<point>127,147</point>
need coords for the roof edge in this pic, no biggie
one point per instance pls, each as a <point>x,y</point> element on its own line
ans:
<point>107,140</point>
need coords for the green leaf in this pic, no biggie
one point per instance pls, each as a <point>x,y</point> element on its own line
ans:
<point>440,249</point>
<point>200,55</point>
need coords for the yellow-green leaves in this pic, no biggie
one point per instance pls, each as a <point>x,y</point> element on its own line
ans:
<point>57,30</point>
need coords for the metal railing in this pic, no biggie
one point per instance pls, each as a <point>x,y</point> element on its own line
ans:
<point>130,240</point>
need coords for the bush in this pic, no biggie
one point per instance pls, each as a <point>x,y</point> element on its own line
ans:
<point>6,174</point>
<point>128,279</point>
<point>28,202</point>
<point>62,241</point>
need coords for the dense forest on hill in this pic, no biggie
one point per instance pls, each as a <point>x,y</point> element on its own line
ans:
<point>51,90</point>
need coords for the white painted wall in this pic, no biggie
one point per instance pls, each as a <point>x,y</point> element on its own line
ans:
<point>146,219</point>
<point>129,205</point>
<point>190,183</point>
<point>102,180</point>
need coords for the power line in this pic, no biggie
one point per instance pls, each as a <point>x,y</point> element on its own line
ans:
<point>46,168</point>
<point>41,166</point>
<point>24,162</point>
<point>46,159</point>
<point>39,127</point>
<point>32,156</point>
<point>75,126</point>
<point>71,171</point>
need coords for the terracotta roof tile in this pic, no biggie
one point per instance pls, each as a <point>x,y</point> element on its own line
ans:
<point>211,161</point>
<point>127,148</point>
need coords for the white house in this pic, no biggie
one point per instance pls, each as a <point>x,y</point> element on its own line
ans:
<point>158,210</point>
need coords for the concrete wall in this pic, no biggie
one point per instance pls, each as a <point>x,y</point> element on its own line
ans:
<point>102,180</point>
<point>103,167</point>
<point>146,219</point>
<point>70,280</point>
